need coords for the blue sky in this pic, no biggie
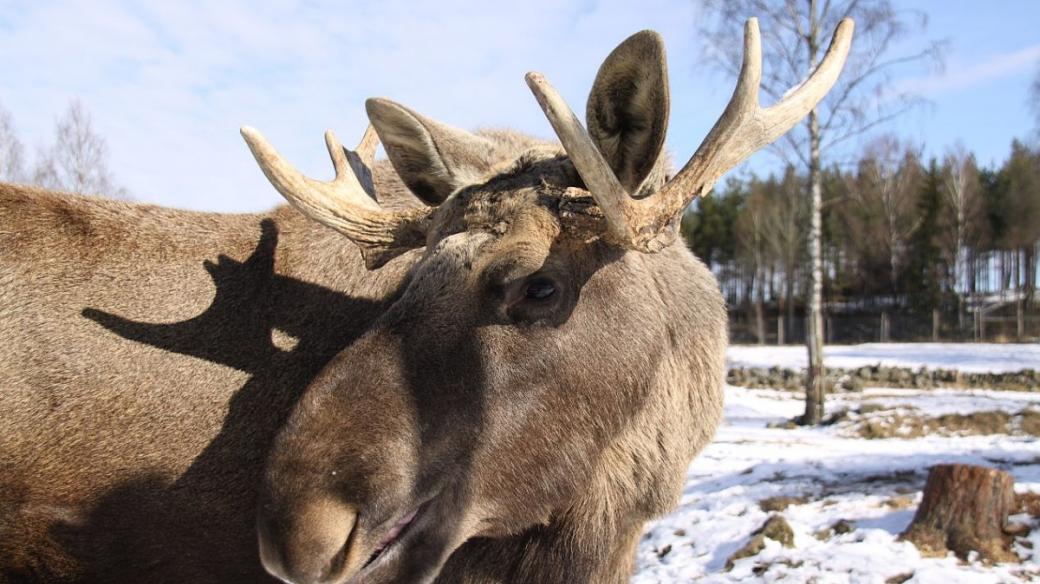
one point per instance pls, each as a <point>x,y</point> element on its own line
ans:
<point>169,83</point>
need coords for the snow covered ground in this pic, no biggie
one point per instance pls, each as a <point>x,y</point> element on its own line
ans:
<point>874,485</point>
<point>967,357</point>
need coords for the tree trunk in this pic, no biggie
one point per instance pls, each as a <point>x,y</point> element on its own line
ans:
<point>789,301</point>
<point>960,314</point>
<point>1017,271</point>
<point>1029,267</point>
<point>1020,319</point>
<point>959,263</point>
<point>1005,272</point>
<point>973,272</point>
<point>814,390</point>
<point>964,509</point>
<point>760,322</point>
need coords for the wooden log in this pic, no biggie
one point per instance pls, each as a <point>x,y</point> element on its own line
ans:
<point>964,509</point>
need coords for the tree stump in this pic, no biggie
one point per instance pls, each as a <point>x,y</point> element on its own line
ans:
<point>964,509</point>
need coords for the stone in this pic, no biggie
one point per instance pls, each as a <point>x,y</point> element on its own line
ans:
<point>775,528</point>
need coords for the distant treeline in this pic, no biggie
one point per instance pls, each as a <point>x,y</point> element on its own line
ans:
<point>900,233</point>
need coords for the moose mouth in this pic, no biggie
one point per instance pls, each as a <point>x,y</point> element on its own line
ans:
<point>393,539</point>
<point>393,536</point>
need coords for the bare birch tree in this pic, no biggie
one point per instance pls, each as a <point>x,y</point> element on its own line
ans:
<point>750,230</point>
<point>793,32</point>
<point>77,161</point>
<point>784,233</point>
<point>879,214</point>
<point>892,173</point>
<point>962,217</point>
<point>11,152</point>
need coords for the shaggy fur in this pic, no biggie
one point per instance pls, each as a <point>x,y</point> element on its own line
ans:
<point>173,382</point>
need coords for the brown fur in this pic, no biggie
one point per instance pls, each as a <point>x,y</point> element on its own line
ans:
<point>169,376</point>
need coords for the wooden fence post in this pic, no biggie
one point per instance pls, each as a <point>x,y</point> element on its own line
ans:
<point>935,325</point>
<point>780,330</point>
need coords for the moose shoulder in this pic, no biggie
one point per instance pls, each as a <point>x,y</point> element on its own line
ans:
<point>498,379</point>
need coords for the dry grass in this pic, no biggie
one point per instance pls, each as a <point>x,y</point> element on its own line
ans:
<point>906,422</point>
<point>1028,503</point>
<point>775,504</point>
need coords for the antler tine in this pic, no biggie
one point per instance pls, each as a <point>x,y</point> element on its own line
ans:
<point>599,178</point>
<point>366,148</point>
<point>342,204</point>
<point>743,128</point>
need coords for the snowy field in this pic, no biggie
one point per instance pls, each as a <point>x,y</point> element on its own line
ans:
<point>967,357</point>
<point>833,475</point>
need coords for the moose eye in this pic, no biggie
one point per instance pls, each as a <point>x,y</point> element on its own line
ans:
<point>535,299</point>
<point>539,289</point>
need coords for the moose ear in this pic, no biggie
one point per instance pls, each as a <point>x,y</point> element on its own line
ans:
<point>627,112</point>
<point>433,159</point>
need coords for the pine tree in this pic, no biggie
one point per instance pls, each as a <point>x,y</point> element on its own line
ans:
<point>926,269</point>
<point>709,227</point>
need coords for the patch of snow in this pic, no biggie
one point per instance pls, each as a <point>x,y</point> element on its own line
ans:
<point>873,484</point>
<point>966,357</point>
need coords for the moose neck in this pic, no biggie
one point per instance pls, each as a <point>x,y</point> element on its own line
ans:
<point>563,550</point>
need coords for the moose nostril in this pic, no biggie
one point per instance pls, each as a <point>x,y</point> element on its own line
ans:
<point>310,545</point>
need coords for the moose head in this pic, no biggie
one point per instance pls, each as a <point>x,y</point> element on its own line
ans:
<point>554,358</point>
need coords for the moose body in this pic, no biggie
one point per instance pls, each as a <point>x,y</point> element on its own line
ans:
<point>143,381</point>
<point>501,382</point>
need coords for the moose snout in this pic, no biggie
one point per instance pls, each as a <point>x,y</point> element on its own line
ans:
<point>309,544</point>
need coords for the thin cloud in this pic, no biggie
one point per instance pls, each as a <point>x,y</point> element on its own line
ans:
<point>169,83</point>
<point>957,78</point>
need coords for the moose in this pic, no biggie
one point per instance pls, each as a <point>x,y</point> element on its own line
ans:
<point>488,358</point>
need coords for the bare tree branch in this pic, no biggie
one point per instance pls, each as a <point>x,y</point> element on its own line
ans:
<point>838,103</point>
<point>866,127</point>
<point>78,159</point>
<point>11,151</point>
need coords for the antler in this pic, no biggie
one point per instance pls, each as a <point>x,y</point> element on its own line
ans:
<point>346,204</point>
<point>644,224</point>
